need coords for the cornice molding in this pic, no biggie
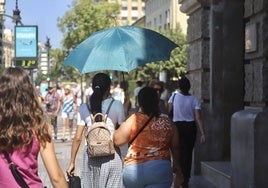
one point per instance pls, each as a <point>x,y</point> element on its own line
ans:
<point>189,6</point>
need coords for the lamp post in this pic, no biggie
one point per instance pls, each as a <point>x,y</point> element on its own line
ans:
<point>16,14</point>
<point>16,18</point>
<point>2,3</point>
<point>48,47</point>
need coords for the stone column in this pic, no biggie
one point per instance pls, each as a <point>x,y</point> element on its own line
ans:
<point>215,66</point>
<point>249,148</point>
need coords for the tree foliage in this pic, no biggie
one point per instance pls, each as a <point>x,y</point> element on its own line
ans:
<point>174,67</point>
<point>84,18</point>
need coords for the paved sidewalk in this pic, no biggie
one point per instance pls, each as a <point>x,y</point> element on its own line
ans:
<point>63,153</point>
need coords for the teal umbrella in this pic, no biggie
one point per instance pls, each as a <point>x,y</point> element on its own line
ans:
<point>121,48</point>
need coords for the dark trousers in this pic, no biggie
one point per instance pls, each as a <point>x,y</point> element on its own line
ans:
<point>187,138</point>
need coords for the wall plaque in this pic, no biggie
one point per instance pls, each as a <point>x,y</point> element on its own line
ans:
<point>251,38</point>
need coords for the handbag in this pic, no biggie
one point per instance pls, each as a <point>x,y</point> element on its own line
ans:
<point>74,182</point>
<point>144,125</point>
<point>18,177</point>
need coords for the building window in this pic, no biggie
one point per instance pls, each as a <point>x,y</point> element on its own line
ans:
<point>160,19</point>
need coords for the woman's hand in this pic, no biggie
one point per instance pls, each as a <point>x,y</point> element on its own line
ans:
<point>178,179</point>
<point>70,170</point>
<point>202,139</point>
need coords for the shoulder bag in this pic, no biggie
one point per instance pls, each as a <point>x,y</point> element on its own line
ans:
<point>144,125</point>
<point>18,177</point>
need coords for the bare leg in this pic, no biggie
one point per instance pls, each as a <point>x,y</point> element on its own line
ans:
<point>55,130</point>
<point>53,122</point>
<point>70,128</point>
<point>64,123</point>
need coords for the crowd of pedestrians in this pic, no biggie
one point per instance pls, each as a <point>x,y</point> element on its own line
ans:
<point>27,129</point>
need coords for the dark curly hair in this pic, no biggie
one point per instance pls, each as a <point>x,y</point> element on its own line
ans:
<point>21,115</point>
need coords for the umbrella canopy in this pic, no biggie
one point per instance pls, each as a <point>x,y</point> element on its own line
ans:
<point>119,48</point>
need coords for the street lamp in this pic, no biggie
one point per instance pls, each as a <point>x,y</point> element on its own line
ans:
<point>16,14</point>
<point>16,19</point>
<point>48,47</point>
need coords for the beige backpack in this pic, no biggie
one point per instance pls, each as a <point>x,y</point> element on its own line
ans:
<point>98,137</point>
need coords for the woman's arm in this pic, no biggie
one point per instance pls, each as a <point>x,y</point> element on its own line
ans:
<point>75,146</point>
<point>199,120</point>
<point>122,134</point>
<point>52,166</point>
<point>174,148</point>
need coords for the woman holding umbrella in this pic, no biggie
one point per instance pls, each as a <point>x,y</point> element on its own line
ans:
<point>99,172</point>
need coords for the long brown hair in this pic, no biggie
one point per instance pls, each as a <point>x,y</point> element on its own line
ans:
<point>21,116</point>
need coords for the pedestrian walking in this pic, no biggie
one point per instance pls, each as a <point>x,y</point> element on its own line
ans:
<point>186,113</point>
<point>53,106</point>
<point>69,109</point>
<point>98,172</point>
<point>159,87</point>
<point>153,140</point>
<point>136,92</point>
<point>118,93</point>
<point>24,133</point>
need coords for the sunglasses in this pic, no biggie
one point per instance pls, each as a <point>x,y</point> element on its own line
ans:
<point>158,89</point>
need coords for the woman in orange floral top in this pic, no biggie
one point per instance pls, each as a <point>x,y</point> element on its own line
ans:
<point>148,161</point>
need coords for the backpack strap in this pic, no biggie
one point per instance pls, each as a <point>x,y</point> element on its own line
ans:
<point>108,110</point>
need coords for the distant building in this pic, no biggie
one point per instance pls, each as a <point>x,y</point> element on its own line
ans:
<point>43,59</point>
<point>164,14</point>
<point>140,22</point>
<point>2,11</point>
<point>8,47</point>
<point>131,11</point>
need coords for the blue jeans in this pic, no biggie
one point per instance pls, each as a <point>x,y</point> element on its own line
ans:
<point>150,174</point>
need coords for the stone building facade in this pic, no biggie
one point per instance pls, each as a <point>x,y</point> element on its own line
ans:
<point>228,68</point>
<point>164,14</point>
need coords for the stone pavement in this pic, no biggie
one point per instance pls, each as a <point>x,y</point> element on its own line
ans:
<point>63,153</point>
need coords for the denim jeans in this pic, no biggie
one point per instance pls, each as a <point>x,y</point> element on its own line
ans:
<point>150,174</point>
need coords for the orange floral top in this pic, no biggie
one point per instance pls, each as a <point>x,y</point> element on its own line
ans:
<point>153,142</point>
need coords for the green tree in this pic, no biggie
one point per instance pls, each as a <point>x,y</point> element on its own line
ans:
<point>39,78</point>
<point>84,18</point>
<point>174,67</point>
